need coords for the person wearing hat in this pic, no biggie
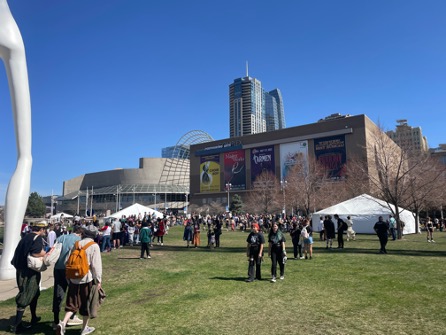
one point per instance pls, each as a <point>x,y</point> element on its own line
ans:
<point>28,280</point>
<point>79,290</point>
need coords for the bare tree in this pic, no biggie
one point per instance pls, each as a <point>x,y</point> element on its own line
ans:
<point>426,184</point>
<point>308,184</point>
<point>264,196</point>
<point>216,208</point>
<point>402,178</point>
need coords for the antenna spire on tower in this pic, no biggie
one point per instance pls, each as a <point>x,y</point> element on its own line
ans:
<point>247,69</point>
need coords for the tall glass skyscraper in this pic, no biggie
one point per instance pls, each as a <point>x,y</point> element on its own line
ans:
<point>252,110</point>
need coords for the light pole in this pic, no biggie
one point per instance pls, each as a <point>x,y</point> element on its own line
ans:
<point>228,188</point>
<point>283,184</point>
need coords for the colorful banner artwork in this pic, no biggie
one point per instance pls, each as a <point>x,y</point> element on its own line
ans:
<point>291,154</point>
<point>262,159</point>
<point>330,151</point>
<point>210,173</point>
<point>235,169</point>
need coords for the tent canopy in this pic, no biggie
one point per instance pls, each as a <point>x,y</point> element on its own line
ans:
<point>136,209</point>
<point>58,215</point>
<point>364,211</point>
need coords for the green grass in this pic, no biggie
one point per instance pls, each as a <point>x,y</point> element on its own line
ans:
<point>202,291</point>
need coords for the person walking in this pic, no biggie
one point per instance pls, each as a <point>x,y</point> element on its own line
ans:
<point>329,231</point>
<point>217,231</point>
<point>307,235</point>
<point>392,227</point>
<point>295,238</point>
<point>188,234</point>
<point>28,280</point>
<point>276,251</point>
<point>351,234</point>
<point>430,230</point>
<point>196,224</point>
<point>106,235</point>
<point>255,244</point>
<point>80,290</point>
<point>60,280</point>
<point>116,227</point>
<point>342,227</point>
<point>382,228</point>
<point>145,237</point>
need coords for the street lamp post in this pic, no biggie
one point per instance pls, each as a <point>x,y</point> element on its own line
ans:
<point>133,194</point>
<point>283,184</point>
<point>228,188</point>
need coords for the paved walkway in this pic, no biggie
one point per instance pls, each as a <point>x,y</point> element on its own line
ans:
<point>8,288</point>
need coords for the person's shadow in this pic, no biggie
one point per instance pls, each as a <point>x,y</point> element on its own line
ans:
<point>229,278</point>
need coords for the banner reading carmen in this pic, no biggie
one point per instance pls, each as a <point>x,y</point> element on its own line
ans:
<point>330,151</point>
<point>235,171</point>
<point>262,159</point>
<point>210,173</point>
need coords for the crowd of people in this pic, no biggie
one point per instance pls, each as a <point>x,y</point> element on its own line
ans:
<point>83,295</point>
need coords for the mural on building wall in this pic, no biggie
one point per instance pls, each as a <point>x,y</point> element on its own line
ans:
<point>290,154</point>
<point>210,173</point>
<point>262,159</point>
<point>330,151</point>
<point>235,169</point>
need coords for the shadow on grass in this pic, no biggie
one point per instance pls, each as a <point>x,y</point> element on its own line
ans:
<point>390,251</point>
<point>229,278</point>
<point>39,328</point>
<point>200,249</point>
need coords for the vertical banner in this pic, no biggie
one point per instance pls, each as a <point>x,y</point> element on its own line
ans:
<point>330,151</point>
<point>235,170</point>
<point>210,173</point>
<point>291,154</point>
<point>262,159</point>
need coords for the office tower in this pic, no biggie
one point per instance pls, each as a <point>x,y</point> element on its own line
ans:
<point>280,109</point>
<point>408,138</point>
<point>252,110</point>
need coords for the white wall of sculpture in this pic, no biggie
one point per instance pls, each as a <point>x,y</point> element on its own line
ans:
<point>12,52</point>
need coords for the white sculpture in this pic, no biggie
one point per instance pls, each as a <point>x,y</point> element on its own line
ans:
<point>12,52</point>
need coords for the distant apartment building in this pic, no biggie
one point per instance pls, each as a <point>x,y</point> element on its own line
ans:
<point>439,153</point>
<point>408,138</point>
<point>252,110</point>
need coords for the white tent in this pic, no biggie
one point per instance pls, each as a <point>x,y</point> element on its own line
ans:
<point>136,209</point>
<point>364,211</point>
<point>56,217</point>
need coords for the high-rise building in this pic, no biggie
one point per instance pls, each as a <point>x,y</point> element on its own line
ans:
<point>408,138</point>
<point>252,110</point>
<point>280,109</point>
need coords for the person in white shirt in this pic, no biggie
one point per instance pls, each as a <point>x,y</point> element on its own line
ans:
<point>116,227</point>
<point>51,236</point>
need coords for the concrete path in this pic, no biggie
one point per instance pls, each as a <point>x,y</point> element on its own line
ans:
<point>8,288</point>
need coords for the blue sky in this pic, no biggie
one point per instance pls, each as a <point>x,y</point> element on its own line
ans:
<point>112,81</point>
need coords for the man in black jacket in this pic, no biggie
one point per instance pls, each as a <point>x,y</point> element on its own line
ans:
<point>342,227</point>
<point>382,228</point>
<point>28,280</point>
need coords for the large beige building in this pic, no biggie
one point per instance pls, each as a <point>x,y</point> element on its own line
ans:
<point>239,160</point>
<point>408,138</point>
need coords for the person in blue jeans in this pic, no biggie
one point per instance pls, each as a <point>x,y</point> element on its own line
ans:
<point>106,233</point>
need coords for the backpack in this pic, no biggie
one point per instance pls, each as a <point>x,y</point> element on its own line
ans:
<point>304,233</point>
<point>77,264</point>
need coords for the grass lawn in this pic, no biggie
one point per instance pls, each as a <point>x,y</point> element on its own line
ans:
<point>202,291</point>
